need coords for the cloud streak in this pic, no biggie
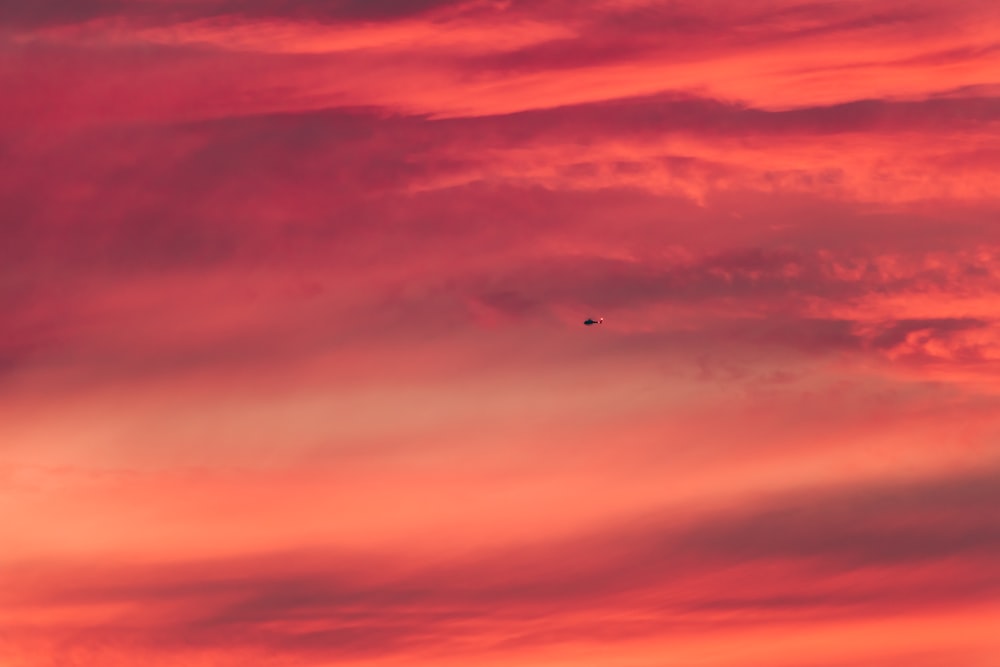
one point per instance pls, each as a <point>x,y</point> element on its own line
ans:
<point>939,536</point>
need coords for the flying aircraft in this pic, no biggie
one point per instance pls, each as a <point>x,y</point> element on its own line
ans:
<point>591,320</point>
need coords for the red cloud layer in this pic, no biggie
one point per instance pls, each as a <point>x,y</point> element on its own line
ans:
<point>292,361</point>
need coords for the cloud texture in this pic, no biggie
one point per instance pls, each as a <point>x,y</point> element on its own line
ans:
<point>292,369</point>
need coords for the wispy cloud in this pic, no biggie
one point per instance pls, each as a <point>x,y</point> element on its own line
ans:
<point>792,560</point>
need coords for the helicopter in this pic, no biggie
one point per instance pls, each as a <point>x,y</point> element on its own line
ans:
<point>589,321</point>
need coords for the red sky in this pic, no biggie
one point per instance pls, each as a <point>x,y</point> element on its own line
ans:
<point>293,370</point>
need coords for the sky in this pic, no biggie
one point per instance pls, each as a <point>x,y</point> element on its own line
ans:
<point>293,370</point>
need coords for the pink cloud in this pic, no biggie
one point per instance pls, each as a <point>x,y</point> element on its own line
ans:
<point>839,553</point>
<point>292,362</point>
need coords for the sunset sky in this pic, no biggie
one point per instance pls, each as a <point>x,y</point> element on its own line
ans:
<point>293,370</point>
